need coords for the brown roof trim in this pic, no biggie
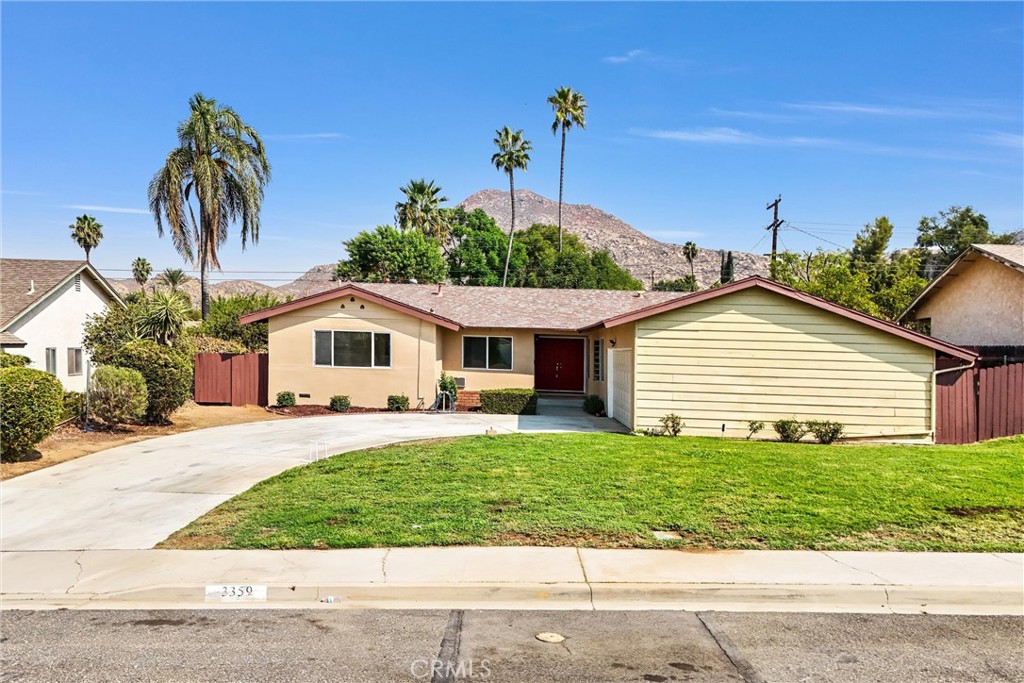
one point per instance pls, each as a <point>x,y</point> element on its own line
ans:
<point>789,292</point>
<point>348,290</point>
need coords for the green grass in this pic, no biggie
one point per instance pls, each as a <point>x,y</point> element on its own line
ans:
<point>609,490</point>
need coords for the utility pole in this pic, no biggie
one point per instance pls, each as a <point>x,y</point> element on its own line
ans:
<point>774,227</point>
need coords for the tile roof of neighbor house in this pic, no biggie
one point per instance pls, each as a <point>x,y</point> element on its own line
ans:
<point>570,310</point>
<point>1009,255</point>
<point>25,282</point>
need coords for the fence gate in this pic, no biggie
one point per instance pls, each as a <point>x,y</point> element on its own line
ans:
<point>235,379</point>
<point>979,404</point>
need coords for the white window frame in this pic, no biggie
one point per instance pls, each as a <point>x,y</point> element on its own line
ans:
<point>487,350</point>
<point>373,351</point>
<point>50,352</point>
<point>597,369</point>
<point>80,361</point>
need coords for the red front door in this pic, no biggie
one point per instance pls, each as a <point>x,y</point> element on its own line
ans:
<point>558,364</point>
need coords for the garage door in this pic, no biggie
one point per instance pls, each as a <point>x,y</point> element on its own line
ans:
<point>620,362</point>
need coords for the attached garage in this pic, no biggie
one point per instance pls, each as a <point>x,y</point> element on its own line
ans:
<point>620,387</point>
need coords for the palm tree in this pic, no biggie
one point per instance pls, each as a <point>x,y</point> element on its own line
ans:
<point>172,278</point>
<point>87,233</point>
<point>164,316</point>
<point>570,109</point>
<point>422,209</point>
<point>220,161</point>
<point>141,270</point>
<point>690,251</point>
<point>513,153</point>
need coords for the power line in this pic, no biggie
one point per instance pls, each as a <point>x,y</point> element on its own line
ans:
<point>822,239</point>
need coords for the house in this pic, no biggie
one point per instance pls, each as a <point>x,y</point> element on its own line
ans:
<point>749,350</point>
<point>977,301</point>
<point>43,307</point>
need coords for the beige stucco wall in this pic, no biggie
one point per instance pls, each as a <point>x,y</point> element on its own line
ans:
<point>981,306</point>
<point>756,355</point>
<point>414,356</point>
<point>623,336</point>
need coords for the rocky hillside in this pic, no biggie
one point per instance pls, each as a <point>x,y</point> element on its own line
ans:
<point>630,248</point>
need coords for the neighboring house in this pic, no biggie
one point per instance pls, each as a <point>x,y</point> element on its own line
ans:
<point>43,307</point>
<point>978,301</point>
<point>749,350</point>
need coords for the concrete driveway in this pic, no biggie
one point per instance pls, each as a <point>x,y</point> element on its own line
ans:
<point>134,496</point>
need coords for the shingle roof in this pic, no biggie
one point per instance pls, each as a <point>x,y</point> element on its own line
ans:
<point>1011,254</point>
<point>25,282</point>
<point>8,339</point>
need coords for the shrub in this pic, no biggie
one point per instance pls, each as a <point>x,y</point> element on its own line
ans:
<point>118,395</point>
<point>825,431</point>
<point>398,403</point>
<point>789,430</point>
<point>32,402</point>
<point>168,375</point>
<point>672,424</point>
<point>192,341</point>
<point>753,427</point>
<point>593,404</point>
<point>448,383</point>
<point>509,401</point>
<point>225,312</point>
<point>73,405</point>
<point>13,360</point>
<point>339,403</point>
<point>286,399</point>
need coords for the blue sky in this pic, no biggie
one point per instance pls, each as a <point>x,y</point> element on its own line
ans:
<point>699,115</point>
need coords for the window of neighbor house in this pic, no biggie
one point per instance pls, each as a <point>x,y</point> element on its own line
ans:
<point>74,361</point>
<point>51,361</point>
<point>349,349</point>
<point>598,360</point>
<point>487,353</point>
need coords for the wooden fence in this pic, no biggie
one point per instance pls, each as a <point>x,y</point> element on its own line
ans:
<point>228,378</point>
<point>978,404</point>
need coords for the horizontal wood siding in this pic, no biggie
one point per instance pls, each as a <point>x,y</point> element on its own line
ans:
<point>756,355</point>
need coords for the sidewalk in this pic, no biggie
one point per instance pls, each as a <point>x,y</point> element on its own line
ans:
<point>520,578</point>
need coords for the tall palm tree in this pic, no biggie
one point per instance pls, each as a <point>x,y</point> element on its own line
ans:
<point>141,270</point>
<point>570,110</point>
<point>172,278</point>
<point>220,162</point>
<point>513,153</point>
<point>421,209</point>
<point>87,233</point>
<point>690,251</point>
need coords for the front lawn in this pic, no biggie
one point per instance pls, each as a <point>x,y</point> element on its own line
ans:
<point>610,490</point>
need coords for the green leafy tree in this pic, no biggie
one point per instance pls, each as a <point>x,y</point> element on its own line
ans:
<point>513,154</point>
<point>478,250</point>
<point>946,236</point>
<point>570,109</point>
<point>105,333</point>
<point>871,245</point>
<point>225,312</point>
<point>690,252</point>
<point>575,267</point>
<point>164,313</point>
<point>172,278</point>
<point>683,284</point>
<point>87,232</point>
<point>221,163</point>
<point>828,275</point>
<point>141,270</point>
<point>421,210</point>
<point>897,283</point>
<point>388,254</point>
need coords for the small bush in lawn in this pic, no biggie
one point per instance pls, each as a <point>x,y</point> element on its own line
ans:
<point>13,360</point>
<point>448,383</point>
<point>285,399</point>
<point>339,403</point>
<point>825,431</point>
<point>398,403</point>
<point>753,427</point>
<point>593,404</point>
<point>74,405</point>
<point>672,424</point>
<point>508,401</point>
<point>118,395</point>
<point>168,375</point>
<point>32,402</point>
<point>788,430</point>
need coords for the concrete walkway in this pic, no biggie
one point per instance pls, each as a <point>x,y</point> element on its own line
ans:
<point>134,496</point>
<point>521,578</point>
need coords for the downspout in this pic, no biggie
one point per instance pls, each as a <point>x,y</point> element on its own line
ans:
<point>935,374</point>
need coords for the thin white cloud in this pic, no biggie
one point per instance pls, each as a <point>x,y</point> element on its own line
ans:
<point>21,193</point>
<point>649,58</point>
<point>754,115</point>
<point>732,136</point>
<point>631,56</point>
<point>866,109</point>
<point>106,209</point>
<point>305,136</point>
<point>1000,139</point>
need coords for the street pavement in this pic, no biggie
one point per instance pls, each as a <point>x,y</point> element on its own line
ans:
<point>446,646</point>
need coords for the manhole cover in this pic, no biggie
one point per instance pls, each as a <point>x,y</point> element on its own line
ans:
<point>550,637</point>
<point>667,535</point>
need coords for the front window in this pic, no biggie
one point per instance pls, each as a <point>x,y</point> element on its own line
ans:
<point>74,361</point>
<point>344,349</point>
<point>51,361</point>
<point>487,353</point>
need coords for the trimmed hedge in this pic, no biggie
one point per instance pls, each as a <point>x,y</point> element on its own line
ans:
<point>13,360</point>
<point>398,403</point>
<point>32,402</point>
<point>339,403</point>
<point>168,375</point>
<point>118,395</point>
<point>285,399</point>
<point>509,401</point>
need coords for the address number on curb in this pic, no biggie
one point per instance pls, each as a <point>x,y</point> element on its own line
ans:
<point>236,592</point>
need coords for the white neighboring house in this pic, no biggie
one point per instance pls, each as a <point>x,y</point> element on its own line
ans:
<point>43,307</point>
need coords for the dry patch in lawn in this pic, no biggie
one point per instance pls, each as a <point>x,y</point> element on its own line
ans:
<point>70,441</point>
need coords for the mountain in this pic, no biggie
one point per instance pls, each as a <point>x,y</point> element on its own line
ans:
<point>633,250</point>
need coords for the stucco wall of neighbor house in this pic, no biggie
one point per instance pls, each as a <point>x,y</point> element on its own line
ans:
<point>757,355</point>
<point>413,370</point>
<point>58,323</point>
<point>982,306</point>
